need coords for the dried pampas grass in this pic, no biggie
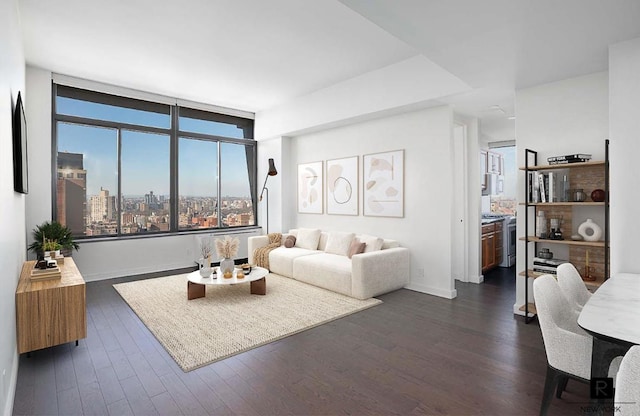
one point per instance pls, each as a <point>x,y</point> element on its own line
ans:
<point>227,248</point>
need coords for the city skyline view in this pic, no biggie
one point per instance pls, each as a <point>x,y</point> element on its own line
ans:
<point>145,156</point>
<point>115,179</point>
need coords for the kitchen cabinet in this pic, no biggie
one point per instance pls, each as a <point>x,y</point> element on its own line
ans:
<point>491,163</point>
<point>495,163</point>
<point>587,176</point>
<point>491,245</point>
<point>483,169</point>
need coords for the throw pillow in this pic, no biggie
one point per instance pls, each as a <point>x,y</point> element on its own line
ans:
<point>290,241</point>
<point>308,238</point>
<point>357,247</point>
<point>339,243</point>
<point>373,243</point>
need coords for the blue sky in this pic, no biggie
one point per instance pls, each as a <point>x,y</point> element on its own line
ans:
<point>145,156</point>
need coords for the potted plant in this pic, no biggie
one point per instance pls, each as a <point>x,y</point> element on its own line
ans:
<point>51,248</point>
<point>53,231</point>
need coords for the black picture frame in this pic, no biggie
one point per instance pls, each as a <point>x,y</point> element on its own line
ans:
<point>20,161</point>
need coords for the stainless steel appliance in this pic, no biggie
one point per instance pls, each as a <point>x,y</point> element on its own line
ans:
<point>508,238</point>
<point>509,242</point>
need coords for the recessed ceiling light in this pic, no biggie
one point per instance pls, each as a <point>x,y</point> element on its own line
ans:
<point>511,117</point>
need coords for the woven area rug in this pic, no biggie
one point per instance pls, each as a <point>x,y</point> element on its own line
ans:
<point>229,320</point>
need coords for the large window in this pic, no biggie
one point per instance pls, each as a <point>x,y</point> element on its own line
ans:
<point>125,166</point>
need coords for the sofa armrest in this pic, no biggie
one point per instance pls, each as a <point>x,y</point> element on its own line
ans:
<point>379,272</point>
<point>255,242</point>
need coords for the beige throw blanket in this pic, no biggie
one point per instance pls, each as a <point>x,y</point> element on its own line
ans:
<point>261,255</point>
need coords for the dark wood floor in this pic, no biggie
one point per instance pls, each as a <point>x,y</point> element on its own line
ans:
<point>414,354</point>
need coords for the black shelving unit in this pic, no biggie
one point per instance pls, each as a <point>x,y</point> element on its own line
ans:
<point>527,203</point>
<point>531,165</point>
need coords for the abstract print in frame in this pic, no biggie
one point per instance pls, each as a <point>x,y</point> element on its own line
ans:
<point>342,186</point>
<point>310,188</point>
<point>384,184</point>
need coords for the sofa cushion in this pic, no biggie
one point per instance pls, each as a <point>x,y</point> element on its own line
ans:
<point>356,248</point>
<point>308,238</point>
<point>290,241</point>
<point>339,243</point>
<point>373,243</point>
<point>281,259</point>
<point>326,270</point>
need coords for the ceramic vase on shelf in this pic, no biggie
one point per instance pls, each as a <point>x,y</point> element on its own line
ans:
<point>590,231</point>
<point>205,266</point>
<point>226,267</point>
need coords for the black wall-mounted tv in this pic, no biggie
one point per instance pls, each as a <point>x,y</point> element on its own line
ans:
<point>20,171</point>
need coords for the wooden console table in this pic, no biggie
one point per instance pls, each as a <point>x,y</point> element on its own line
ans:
<point>51,312</point>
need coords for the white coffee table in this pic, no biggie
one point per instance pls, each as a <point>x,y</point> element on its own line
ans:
<point>196,284</point>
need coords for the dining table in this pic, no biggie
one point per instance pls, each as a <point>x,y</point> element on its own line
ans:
<point>612,317</point>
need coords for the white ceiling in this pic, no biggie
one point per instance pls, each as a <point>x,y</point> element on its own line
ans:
<point>254,55</point>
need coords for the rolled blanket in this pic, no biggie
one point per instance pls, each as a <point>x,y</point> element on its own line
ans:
<point>261,255</point>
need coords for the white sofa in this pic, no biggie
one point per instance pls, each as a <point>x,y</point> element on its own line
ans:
<point>382,268</point>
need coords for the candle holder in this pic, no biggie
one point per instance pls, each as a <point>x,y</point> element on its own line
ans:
<point>587,274</point>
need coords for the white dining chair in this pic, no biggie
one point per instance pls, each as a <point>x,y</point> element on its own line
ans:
<point>568,346</point>
<point>572,286</point>
<point>627,395</point>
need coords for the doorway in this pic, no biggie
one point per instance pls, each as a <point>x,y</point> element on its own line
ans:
<point>499,207</point>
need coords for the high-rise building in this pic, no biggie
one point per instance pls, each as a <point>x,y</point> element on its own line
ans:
<point>102,207</point>
<point>151,200</point>
<point>71,187</point>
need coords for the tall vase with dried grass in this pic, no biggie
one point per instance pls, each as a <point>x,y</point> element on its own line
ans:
<point>227,248</point>
<point>205,260</point>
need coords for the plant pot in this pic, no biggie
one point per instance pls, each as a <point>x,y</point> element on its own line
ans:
<point>226,267</point>
<point>205,267</point>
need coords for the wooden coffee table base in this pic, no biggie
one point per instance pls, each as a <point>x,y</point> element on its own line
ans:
<point>196,290</point>
<point>259,287</point>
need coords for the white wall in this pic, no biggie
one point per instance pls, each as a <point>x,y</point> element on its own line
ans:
<point>569,116</point>
<point>425,136</point>
<point>12,219</point>
<point>624,96</point>
<point>410,84</point>
<point>473,226</point>
<point>277,149</point>
<point>98,260</point>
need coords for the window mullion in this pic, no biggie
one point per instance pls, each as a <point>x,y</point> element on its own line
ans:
<point>219,185</point>
<point>173,175</point>
<point>119,202</point>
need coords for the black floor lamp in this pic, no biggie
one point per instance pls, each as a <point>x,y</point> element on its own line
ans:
<point>272,172</point>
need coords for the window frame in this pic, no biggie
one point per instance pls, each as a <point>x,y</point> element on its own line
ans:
<point>174,133</point>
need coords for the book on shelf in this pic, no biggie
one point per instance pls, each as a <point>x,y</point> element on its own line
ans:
<point>566,162</point>
<point>545,270</point>
<point>534,188</point>
<point>543,195</point>
<point>551,190</point>
<point>548,262</point>
<point>569,157</point>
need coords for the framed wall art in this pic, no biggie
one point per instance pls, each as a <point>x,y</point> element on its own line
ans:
<point>310,188</point>
<point>383,179</point>
<point>342,186</point>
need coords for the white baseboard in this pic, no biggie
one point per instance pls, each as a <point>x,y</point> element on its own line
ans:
<point>430,290</point>
<point>13,381</point>
<point>476,279</point>
<point>112,274</point>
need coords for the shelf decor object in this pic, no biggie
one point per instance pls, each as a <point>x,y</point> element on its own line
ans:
<point>590,231</point>
<point>589,247</point>
<point>310,188</point>
<point>383,179</point>
<point>342,186</point>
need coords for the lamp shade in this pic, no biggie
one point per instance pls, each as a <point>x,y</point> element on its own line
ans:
<point>272,168</point>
